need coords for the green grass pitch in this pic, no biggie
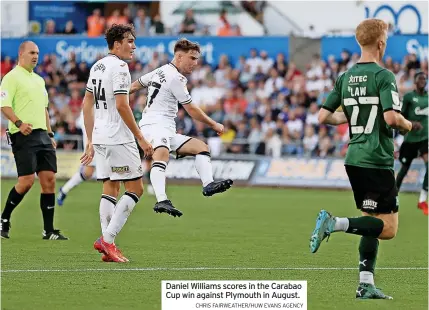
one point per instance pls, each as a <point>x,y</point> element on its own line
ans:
<point>243,228</point>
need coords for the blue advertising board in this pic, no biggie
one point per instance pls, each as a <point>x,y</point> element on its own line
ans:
<point>398,46</point>
<point>87,49</point>
<point>60,12</point>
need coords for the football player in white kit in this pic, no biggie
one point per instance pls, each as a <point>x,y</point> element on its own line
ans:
<point>85,172</point>
<point>111,128</point>
<point>166,89</point>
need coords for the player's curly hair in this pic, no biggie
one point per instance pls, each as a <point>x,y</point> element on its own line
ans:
<point>116,33</point>
<point>369,31</point>
<point>185,45</point>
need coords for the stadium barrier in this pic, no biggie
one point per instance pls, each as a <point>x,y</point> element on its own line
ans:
<point>88,49</point>
<point>398,46</point>
<point>249,170</point>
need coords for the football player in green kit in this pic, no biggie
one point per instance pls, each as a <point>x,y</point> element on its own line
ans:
<point>415,108</point>
<point>369,99</point>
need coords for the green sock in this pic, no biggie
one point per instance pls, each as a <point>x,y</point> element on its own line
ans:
<point>365,226</point>
<point>368,249</point>
<point>401,175</point>
<point>425,182</point>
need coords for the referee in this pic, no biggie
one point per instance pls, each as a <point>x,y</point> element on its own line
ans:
<point>24,102</point>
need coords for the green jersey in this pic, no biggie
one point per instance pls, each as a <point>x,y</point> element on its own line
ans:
<point>365,92</point>
<point>415,109</point>
<point>26,94</point>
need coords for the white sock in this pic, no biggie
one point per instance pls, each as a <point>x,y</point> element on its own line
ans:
<point>157,179</point>
<point>366,277</point>
<point>423,196</point>
<point>204,168</point>
<point>107,207</point>
<point>123,209</point>
<point>75,180</point>
<point>341,224</point>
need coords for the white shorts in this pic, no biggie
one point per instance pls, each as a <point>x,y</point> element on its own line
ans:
<point>118,162</point>
<point>160,136</point>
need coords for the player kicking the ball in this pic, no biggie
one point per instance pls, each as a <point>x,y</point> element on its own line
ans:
<point>166,88</point>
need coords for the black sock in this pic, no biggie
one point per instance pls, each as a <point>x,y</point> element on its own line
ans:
<point>47,204</point>
<point>401,175</point>
<point>425,182</point>
<point>12,202</point>
<point>368,248</point>
<point>365,226</point>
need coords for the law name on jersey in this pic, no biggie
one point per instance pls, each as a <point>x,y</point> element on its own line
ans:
<point>357,91</point>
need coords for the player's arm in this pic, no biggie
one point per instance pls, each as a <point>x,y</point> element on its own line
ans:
<point>88,113</point>
<point>8,90</point>
<point>124,110</point>
<point>390,102</point>
<point>328,114</point>
<point>180,91</point>
<point>141,82</point>
<point>198,114</point>
<point>88,120</point>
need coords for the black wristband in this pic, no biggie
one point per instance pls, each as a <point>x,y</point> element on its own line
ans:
<point>18,123</point>
<point>51,134</point>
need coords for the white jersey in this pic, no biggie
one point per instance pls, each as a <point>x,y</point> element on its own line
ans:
<point>108,77</point>
<point>166,89</point>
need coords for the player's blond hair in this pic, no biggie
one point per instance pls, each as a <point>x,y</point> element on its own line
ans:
<point>370,31</point>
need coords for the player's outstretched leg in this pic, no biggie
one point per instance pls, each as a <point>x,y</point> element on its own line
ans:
<point>84,174</point>
<point>326,224</point>
<point>204,168</point>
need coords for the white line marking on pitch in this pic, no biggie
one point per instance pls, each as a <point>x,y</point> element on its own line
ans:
<point>204,269</point>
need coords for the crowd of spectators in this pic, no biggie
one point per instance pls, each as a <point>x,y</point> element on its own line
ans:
<point>145,25</point>
<point>268,106</point>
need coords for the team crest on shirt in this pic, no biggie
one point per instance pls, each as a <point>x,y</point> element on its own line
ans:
<point>164,140</point>
<point>3,94</point>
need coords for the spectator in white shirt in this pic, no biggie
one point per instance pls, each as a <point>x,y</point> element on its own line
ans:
<point>254,61</point>
<point>312,115</point>
<point>295,125</point>
<point>267,123</point>
<point>310,140</point>
<point>266,62</point>
<point>274,83</point>
<point>273,144</point>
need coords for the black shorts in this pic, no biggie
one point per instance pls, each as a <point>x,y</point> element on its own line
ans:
<point>374,190</point>
<point>411,150</point>
<point>33,153</point>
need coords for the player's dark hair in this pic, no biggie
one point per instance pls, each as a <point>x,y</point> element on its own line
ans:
<point>116,33</point>
<point>418,73</point>
<point>185,45</point>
